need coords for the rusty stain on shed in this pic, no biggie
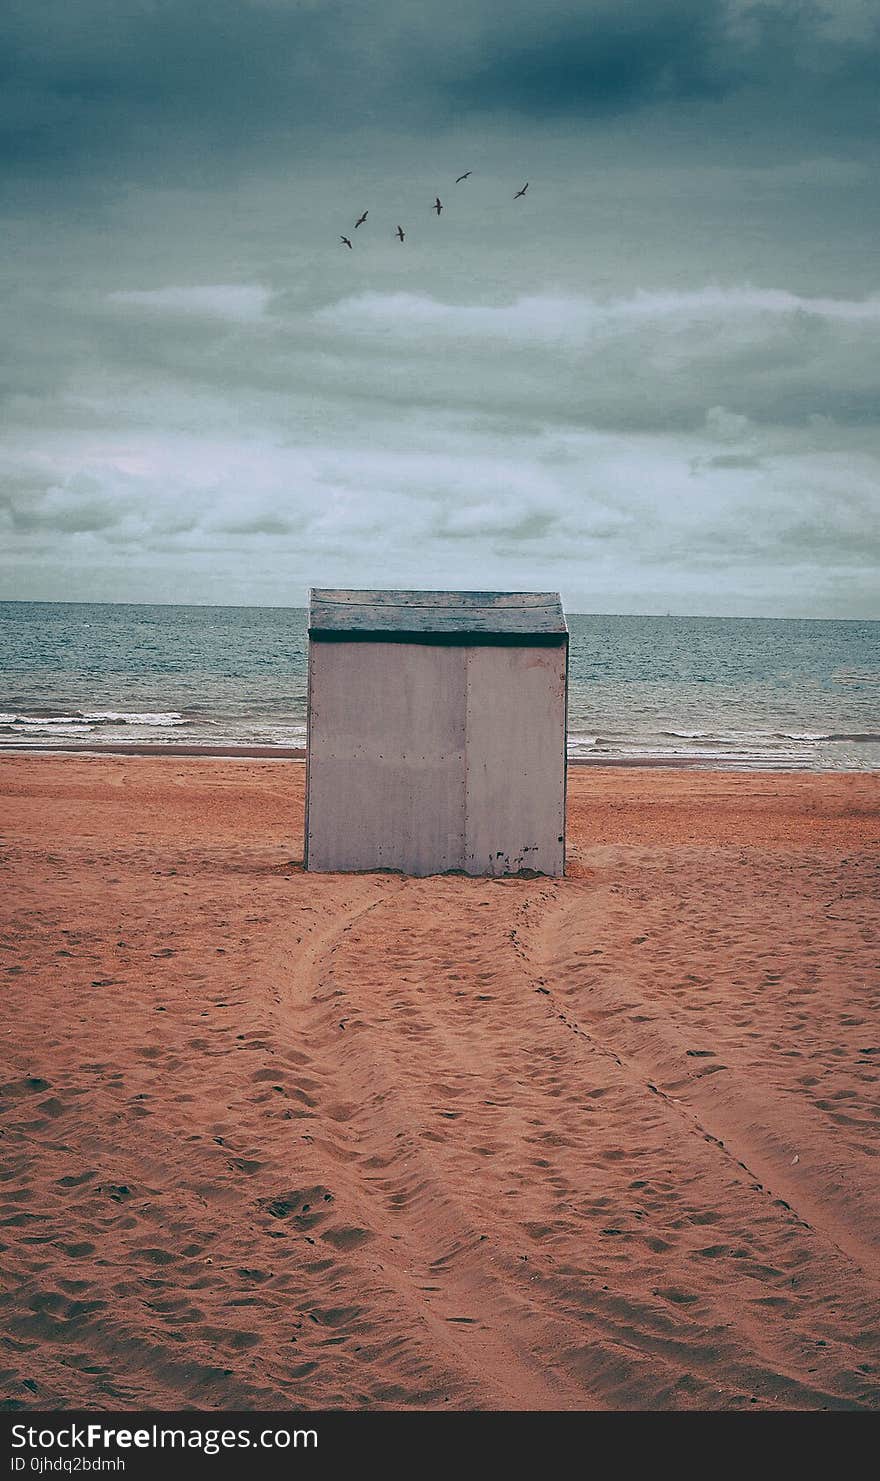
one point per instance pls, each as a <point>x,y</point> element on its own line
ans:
<point>436,732</point>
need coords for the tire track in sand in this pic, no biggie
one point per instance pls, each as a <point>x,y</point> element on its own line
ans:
<point>498,1156</point>
<point>353,1004</point>
<point>757,1133</point>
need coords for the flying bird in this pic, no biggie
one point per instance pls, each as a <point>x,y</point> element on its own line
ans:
<point>400,233</point>
<point>521,192</point>
<point>347,242</point>
<point>361,220</point>
<point>438,205</point>
<point>459,178</point>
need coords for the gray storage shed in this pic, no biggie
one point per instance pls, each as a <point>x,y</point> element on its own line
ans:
<point>436,731</point>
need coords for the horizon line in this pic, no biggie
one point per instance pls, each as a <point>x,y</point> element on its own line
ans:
<point>293,607</point>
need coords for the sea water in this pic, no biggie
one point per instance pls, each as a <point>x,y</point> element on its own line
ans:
<point>704,691</point>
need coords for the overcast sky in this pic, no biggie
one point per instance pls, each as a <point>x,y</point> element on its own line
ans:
<point>652,382</point>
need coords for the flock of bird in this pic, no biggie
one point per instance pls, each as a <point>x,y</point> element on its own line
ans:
<point>437,206</point>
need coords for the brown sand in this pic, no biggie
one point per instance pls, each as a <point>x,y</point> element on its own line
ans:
<point>283,1140</point>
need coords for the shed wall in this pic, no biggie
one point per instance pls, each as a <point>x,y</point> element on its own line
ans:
<point>515,760</point>
<point>386,757</point>
<point>427,757</point>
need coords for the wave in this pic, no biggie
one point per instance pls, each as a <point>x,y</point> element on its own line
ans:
<point>93,718</point>
<point>34,726</point>
<point>743,749</point>
<point>868,676</point>
<point>723,737</point>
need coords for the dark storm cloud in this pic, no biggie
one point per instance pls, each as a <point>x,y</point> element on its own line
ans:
<point>87,80</point>
<point>156,85</point>
<point>605,58</point>
<point>737,77</point>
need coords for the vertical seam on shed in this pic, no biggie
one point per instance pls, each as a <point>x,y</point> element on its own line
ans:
<point>308,751</point>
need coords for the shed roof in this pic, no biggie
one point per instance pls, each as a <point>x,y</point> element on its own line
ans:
<point>517,617</point>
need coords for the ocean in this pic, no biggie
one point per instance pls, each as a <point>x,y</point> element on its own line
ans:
<point>698,691</point>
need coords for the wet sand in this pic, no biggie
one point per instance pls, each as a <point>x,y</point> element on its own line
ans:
<point>277,1140</point>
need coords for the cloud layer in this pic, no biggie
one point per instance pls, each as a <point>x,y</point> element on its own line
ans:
<point>152,82</point>
<point>653,381</point>
<point>660,439</point>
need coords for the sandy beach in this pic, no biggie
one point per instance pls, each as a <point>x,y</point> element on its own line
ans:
<point>283,1140</point>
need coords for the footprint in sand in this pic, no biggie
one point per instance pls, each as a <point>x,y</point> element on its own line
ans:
<point>300,1202</point>
<point>346,1237</point>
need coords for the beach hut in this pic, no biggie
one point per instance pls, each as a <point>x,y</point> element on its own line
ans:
<point>436,731</point>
